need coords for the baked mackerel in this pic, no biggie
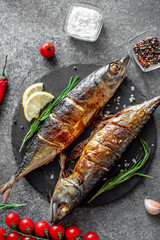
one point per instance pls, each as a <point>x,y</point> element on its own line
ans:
<point>99,156</point>
<point>70,117</point>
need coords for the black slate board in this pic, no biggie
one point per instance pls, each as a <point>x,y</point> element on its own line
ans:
<point>40,178</point>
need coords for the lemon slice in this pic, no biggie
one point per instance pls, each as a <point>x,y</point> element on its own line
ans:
<point>30,90</point>
<point>35,103</point>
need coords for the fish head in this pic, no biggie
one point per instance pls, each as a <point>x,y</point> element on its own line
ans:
<point>115,74</point>
<point>63,200</point>
<point>151,105</point>
<point>119,68</point>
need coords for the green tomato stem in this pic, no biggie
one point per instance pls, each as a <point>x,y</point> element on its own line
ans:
<point>25,235</point>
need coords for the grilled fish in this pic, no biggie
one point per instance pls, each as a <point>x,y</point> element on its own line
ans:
<point>99,156</point>
<point>70,117</point>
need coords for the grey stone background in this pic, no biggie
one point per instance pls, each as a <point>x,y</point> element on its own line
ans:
<point>24,26</point>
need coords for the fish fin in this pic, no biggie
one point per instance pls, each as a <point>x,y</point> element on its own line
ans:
<point>51,211</point>
<point>62,161</point>
<point>2,187</point>
<point>5,190</point>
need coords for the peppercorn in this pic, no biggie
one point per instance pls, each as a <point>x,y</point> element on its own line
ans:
<point>148,52</point>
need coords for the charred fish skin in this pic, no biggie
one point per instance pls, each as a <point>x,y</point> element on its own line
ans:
<point>70,117</point>
<point>99,156</point>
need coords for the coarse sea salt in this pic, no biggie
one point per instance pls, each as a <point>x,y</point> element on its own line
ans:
<point>52,176</point>
<point>84,22</point>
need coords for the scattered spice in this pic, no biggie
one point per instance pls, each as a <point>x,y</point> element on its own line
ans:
<point>75,68</point>
<point>148,52</point>
<point>22,127</point>
<point>15,122</point>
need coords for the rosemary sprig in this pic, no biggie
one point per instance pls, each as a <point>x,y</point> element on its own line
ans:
<point>128,173</point>
<point>10,205</point>
<point>36,125</point>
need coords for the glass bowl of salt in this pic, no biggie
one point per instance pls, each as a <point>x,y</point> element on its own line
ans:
<point>83,21</point>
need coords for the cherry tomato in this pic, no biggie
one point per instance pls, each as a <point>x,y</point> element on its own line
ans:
<point>73,233</point>
<point>27,238</point>
<point>41,228</point>
<point>91,236</point>
<point>13,236</point>
<point>26,225</point>
<point>2,232</point>
<point>47,49</point>
<point>12,220</point>
<point>57,231</point>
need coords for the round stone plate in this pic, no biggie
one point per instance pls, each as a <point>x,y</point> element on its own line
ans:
<point>45,178</point>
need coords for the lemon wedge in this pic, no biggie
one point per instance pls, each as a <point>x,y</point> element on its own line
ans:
<point>30,90</point>
<point>35,103</point>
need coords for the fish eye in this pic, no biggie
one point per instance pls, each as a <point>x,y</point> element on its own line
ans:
<point>63,208</point>
<point>114,67</point>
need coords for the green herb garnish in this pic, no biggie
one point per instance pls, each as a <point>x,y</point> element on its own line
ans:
<point>10,205</point>
<point>128,173</point>
<point>36,125</point>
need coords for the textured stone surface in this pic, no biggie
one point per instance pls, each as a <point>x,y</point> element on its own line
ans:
<point>24,26</point>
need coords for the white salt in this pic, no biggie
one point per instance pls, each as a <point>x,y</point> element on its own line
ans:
<point>84,22</point>
<point>126,165</point>
<point>52,176</point>
<point>134,160</point>
<point>124,106</point>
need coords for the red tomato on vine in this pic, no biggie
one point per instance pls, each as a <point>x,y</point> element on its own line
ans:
<point>2,232</point>
<point>41,228</point>
<point>13,236</point>
<point>26,225</point>
<point>57,231</point>
<point>91,236</point>
<point>12,220</point>
<point>73,233</point>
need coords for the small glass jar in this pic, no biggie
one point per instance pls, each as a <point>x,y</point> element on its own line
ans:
<point>83,21</point>
<point>154,32</point>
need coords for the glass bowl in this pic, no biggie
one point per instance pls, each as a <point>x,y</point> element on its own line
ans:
<point>83,21</point>
<point>141,36</point>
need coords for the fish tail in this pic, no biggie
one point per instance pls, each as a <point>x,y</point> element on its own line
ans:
<point>5,190</point>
